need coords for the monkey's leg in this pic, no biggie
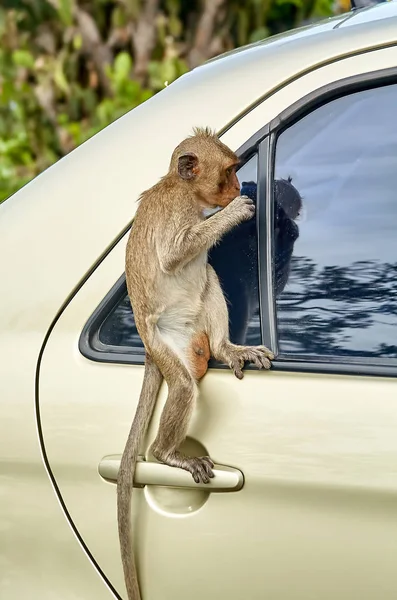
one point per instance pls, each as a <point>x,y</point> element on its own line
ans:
<point>174,421</point>
<point>217,327</point>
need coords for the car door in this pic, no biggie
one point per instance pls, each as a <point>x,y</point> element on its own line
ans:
<point>306,499</point>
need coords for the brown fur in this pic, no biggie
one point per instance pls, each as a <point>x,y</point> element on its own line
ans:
<point>179,307</point>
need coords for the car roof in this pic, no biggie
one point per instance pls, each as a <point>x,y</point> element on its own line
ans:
<point>64,219</point>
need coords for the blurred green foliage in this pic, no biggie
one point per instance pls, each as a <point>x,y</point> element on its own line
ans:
<point>68,68</point>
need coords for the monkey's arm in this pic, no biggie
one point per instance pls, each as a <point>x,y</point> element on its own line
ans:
<point>191,240</point>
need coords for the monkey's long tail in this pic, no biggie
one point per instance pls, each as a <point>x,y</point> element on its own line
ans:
<point>150,388</point>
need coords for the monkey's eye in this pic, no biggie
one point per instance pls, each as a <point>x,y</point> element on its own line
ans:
<point>229,171</point>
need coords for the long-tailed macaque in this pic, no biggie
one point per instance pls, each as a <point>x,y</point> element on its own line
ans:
<point>179,308</point>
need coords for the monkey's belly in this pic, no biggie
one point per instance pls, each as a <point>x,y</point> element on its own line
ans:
<point>199,355</point>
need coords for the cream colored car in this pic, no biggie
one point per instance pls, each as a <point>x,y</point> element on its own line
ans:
<point>304,505</point>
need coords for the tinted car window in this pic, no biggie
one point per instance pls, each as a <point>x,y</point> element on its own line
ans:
<point>235,261</point>
<point>118,328</point>
<point>339,245</point>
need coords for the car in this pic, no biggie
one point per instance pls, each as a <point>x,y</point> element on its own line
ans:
<point>304,504</point>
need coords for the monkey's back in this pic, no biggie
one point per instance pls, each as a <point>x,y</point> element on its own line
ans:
<point>141,261</point>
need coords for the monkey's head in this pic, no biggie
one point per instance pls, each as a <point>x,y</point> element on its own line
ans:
<point>208,166</point>
<point>288,197</point>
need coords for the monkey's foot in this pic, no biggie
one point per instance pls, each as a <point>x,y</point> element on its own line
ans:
<point>237,356</point>
<point>200,467</point>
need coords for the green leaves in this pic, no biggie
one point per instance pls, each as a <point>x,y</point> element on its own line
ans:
<point>122,67</point>
<point>65,11</point>
<point>259,34</point>
<point>165,72</point>
<point>23,58</point>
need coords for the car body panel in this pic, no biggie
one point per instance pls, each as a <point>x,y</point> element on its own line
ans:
<point>317,453</point>
<point>40,555</point>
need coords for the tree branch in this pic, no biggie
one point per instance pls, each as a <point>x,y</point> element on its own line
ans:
<point>93,45</point>
<point>143,37</point>
<point>204,33</point>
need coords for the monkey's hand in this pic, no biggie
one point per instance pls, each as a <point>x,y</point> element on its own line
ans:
<point>241,208</point>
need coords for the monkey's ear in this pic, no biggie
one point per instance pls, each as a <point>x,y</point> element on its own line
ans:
<point>188,166</point>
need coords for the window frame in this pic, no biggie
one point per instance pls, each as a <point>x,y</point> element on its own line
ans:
<point>383,367</point>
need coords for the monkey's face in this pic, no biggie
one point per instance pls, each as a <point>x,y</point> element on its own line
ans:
<point>209,167</point>
<point>228,186</point>
<point>212,178</point>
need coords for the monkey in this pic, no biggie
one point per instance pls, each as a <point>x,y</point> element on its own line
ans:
<point>288,204</point>
<point>180,311</point>
<point>236,260</point>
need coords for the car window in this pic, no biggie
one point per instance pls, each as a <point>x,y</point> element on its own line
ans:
<point>335,224</point>
<point>235,261</point>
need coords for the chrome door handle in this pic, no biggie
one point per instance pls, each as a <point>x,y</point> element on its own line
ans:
<point>226,479</point>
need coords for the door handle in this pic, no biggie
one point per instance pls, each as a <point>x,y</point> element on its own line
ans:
<point>226,479</point>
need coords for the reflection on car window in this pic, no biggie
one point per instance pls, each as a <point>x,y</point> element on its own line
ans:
<point>118,328</point>
<point>235,261</point>
<point>236,264</point>
<point>338,295</point>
